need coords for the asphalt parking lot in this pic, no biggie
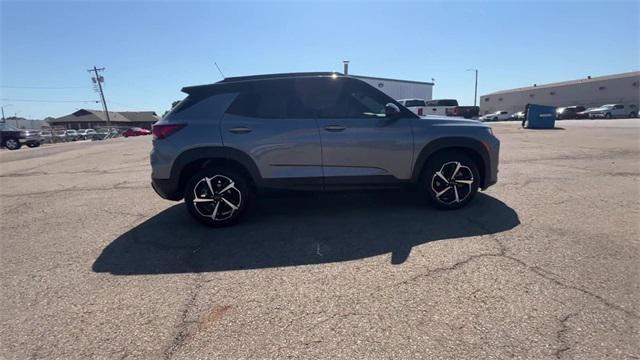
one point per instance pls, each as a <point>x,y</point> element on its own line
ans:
<point>543,265</point>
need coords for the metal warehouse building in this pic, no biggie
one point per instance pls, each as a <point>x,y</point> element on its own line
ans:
<point>400,89</point>
<point>590,92</point>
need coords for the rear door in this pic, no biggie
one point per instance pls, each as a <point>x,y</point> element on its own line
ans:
<point>359,144</point>
<point>268,122</point>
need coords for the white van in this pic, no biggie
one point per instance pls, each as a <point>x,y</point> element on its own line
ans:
<point>439,107</point>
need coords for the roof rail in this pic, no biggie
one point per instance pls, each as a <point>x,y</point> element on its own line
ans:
<point>278,76</point>
<point>237,79</point>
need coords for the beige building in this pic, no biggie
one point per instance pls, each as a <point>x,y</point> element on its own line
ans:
<point>590,92</point>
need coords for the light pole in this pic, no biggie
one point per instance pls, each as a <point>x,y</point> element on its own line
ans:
<point>475,93</point>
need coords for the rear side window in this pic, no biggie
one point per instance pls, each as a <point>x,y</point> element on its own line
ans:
<point>411,103</point>
<point>270,100</point>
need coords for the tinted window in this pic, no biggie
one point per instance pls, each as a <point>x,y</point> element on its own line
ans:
<point>276,99</point>
<point>447,103</point>
<point>410,103</point>
<point>619,106</point>
<point>342,98</point>
<point>432,103</point>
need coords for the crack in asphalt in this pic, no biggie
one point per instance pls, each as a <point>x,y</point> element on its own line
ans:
<point>79,172</point>
<point>118,186</point>
<point>183,328</point>
<point>502,253</point>
<point>561,336</point>
<point>535,269</point>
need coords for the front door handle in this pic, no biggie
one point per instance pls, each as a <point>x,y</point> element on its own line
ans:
<point>240,130</point>
<point>335,128</point>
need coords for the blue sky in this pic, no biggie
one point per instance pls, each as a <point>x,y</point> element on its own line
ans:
<point>152,49</point>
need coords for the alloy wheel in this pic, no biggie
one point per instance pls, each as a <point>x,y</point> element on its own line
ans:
<point>11,144</point>
<point>216,197</point>
<point>453,183</point>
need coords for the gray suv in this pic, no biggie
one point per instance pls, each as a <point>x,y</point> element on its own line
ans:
<point>310,131</point>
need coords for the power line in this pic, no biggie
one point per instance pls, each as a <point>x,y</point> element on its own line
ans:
<point>50,101</point>
<point>42,87</point>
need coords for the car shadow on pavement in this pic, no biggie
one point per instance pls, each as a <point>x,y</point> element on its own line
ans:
<point>299,229</point>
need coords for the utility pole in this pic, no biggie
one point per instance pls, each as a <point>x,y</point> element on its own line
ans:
<point>99,80</point>
<point>3,120</point>
<point>475,93</point>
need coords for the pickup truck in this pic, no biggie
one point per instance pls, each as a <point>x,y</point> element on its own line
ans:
<point>415,105</point>
<point>13,138</point>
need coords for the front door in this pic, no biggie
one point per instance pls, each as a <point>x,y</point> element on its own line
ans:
<point>359,144</point>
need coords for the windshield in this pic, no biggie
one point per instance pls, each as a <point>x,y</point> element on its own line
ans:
<point>7,127</point>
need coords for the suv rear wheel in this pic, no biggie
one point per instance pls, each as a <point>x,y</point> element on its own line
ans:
<point>450,180</point>
<point>217,196</point>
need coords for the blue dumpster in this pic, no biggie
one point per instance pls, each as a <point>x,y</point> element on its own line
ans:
<point>539,117</point>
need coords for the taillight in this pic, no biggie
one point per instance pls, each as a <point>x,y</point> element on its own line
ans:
<point>161,131</point>
<point>420,111</point>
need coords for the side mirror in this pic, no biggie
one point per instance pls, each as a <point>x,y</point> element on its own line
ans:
<point>391,110</point>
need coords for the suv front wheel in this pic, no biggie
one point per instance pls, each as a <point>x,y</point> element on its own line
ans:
<point>12,144</point>
<point>450,179</point>
<point>217,196</point>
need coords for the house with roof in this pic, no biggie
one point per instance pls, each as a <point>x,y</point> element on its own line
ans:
<point>91,119</point>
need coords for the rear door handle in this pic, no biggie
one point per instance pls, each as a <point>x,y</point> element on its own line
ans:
<point>240,130</point>
<point>335,128</point>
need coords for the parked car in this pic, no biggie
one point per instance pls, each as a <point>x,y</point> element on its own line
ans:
<point>467,112</point>
<point>569,112</point>
<point>496,116</point>
<point>10,137</point>
<point>60,136</point>
<point>13,138</point>
<point>71,135</point>
<point>311,131</point>
<point>31,138</point>
<point>86,134</point>
<point>136,131</point>
<point>439,107</point>
<point>519,116</point>
<point>613,111</point>
<point>46,136</point>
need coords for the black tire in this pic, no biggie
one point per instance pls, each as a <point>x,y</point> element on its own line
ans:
<point>445,163</point>
<point>495,119</point>
<point>608,116</point>
<point>12,144</point>
<point>632,114</point>
<point>238,195</point>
